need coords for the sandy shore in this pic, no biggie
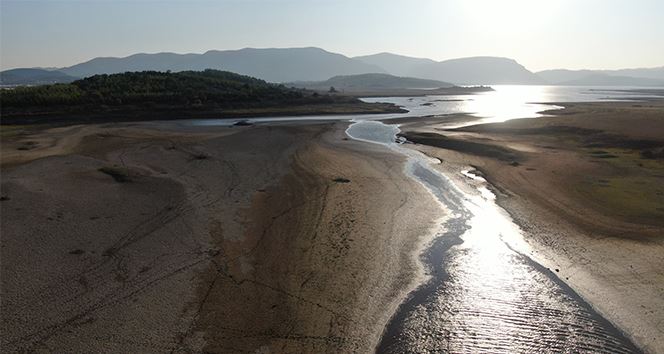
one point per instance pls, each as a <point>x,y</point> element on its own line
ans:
<point>586,187</point>
<point>154,238</point>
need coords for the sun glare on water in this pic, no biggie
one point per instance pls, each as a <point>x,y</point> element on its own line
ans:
<point>508,102</point>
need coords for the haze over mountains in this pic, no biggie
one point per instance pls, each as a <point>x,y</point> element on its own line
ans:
<point>33,77</point>
<point>370,82</point>
<point>624,77</point>
<point>315,64</point>
<point>463,71</point>
<point>271,64</point>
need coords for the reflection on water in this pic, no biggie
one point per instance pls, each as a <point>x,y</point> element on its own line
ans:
<point>505,102</point>
<point>485,294</point>
<point>508,101</point>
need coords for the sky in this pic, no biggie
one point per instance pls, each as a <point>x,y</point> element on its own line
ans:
<point>539,34</point>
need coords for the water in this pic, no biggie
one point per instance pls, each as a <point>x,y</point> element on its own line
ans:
<point>485,294</point>
<point>505,102</point>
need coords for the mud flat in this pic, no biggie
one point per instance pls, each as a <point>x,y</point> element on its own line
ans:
<point>585,186</point>
<point>157,237</point>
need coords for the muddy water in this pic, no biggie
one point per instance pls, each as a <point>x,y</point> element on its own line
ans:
<point>484,294</point>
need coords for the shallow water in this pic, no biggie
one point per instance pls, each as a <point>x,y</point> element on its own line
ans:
<point>485,294</point>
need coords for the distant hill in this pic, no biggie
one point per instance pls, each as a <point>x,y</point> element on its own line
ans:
<point>314,64</point>
<point>395,64</point>
<point>646,73</point>
<point>478,71</point>
<point>602,77</point>
<point>272,64</point>
<point>462,71</point>
<point>136,62</point>
<point>33,77</point>
<point>371,82</point>
<point>558,76</point>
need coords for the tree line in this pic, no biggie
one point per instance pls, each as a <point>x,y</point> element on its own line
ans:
<point>216,88</point>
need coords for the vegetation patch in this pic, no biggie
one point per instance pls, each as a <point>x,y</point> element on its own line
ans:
<point>633,189</point>
<point>14,130</point>
<point>603,140</point>
<point>634,197</point>
<point>595,139</point>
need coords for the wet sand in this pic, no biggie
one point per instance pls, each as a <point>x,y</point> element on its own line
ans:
<point>585,186</point>
<point>154,238</point>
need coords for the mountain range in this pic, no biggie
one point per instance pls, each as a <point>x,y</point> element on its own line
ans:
<point>314,64</point>
<point>271,64</point>
<point>463,71</point>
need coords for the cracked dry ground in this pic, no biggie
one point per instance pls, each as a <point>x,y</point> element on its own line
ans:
<point>148,238</point>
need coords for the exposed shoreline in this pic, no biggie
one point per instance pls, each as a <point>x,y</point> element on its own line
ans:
<point>176,244</point>
<point>346,227</point>
<point>175,113</point>
<point>608,255</point>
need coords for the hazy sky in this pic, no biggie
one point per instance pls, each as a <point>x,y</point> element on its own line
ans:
<point>540,34</point>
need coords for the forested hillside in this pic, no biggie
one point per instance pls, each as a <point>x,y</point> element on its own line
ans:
<point>149,94</point>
